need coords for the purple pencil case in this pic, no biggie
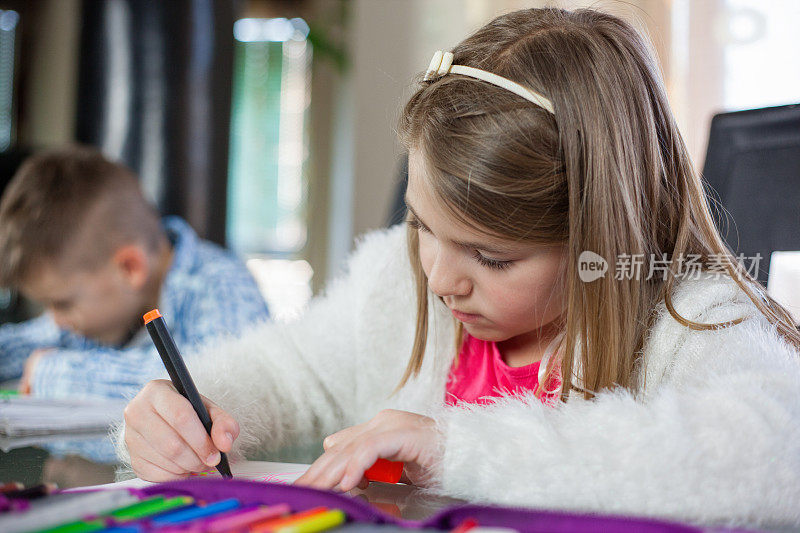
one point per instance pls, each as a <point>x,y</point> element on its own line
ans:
<point>357,510</point>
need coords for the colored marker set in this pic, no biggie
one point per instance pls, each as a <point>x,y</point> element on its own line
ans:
<point>204,504</point>
<point>123,511</point>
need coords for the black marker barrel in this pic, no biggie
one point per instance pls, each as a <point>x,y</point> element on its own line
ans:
<point>179,375</point>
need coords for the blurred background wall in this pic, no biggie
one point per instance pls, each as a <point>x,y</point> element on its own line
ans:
<point>277,138</point>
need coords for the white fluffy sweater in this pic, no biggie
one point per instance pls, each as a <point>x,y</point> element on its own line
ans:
<point>713,438</point>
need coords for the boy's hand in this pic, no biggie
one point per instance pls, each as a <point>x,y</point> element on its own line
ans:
<point>392,435</point>
<point>165,437</point>
<point>30,368</point>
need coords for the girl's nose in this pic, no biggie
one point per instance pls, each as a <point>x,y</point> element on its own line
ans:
<point>446,278</point>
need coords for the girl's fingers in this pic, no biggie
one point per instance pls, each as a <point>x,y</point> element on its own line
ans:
<point>342,437</point>
<point>139,447</point>
<point>391,435</point>
<point>163,432</point>
<point>316,470</point>
<point>360,459</point>
<point>340,459</point>
<point>341,468</point>
<point>224,428</point>
<point>328,479</point>
<point>185,439</point>
<point>163,438</point>
<point>148,471</point>
<point>333,445</point>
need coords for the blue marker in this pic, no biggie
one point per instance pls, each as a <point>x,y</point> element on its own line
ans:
<point>195,512</point>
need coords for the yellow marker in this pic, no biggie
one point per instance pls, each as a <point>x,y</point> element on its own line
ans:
<point>318,522</point>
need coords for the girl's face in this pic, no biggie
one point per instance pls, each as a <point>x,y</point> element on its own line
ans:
<point>499,289</point>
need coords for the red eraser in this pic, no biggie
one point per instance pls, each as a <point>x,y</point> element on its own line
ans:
<point>384,470</point>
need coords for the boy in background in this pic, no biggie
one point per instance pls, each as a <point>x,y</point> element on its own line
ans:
<point>78,237</point>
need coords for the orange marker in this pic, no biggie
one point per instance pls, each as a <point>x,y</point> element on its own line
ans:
<point>385,470</point>
<point>276,523</point>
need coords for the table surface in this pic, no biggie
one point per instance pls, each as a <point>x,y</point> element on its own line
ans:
<point>32,465</point>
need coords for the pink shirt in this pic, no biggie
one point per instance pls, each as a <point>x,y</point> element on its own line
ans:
<point>482,374</point>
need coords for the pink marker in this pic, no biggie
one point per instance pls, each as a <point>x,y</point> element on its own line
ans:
<point>240,519</point>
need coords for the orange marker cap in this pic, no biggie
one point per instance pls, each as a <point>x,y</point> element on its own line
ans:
<point>151,315</point>
<point>385,470</point>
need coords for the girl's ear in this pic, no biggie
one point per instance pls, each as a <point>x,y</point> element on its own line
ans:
<point>131,261</point>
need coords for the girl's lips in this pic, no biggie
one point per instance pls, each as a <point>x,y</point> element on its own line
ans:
<point>465,317</point>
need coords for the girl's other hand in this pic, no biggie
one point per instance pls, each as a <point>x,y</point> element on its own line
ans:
<point>165,437</point>
<point>393,435</point>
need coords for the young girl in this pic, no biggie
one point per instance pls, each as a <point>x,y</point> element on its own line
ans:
<point>542,149</point>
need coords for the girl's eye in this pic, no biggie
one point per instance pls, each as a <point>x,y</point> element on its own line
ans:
<point>492,263</point>
<point>414,223</point>
<point>483,260</point>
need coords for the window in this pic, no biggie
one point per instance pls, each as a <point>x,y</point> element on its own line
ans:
<point>730,55</point>
<point>268,151</point>
<point>8,34</point>
<point>266,193</point>
<point>759,41</point>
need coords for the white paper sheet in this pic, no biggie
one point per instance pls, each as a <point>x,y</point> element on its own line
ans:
<point>265,471</point>
<point>283,473</point>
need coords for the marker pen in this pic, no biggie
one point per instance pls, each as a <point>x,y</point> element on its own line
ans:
<point>150,507</point>
<point>276,523</point>
<point>240,519</point>
<point>193,513</point>
<point>179,375</point>
<point>79,526</point>
<point>64,508</point>
<point>316,523</point>
<point>385,470</point>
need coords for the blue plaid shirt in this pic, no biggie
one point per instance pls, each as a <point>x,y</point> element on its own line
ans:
<point>207,292</point>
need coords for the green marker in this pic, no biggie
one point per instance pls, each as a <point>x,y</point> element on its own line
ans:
<point>8,393</point>
<point>150,507</point>
<point>135,507</point>
<point>80,526</point>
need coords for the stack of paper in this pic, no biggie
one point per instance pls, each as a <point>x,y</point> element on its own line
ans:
<point>22,416</point>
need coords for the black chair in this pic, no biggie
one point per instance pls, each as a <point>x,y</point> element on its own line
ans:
<point>752,169</point>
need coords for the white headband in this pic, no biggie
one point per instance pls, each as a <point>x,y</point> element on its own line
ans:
<point>442,63</point>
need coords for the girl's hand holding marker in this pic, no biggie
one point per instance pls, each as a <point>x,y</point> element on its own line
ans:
<point>166,441</point>
<point>165,437</point>
<point>171,430</point>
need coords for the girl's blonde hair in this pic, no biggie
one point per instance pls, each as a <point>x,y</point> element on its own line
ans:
<point>608,172</point>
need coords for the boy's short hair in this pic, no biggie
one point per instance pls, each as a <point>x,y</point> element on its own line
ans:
<point>73,208</point>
